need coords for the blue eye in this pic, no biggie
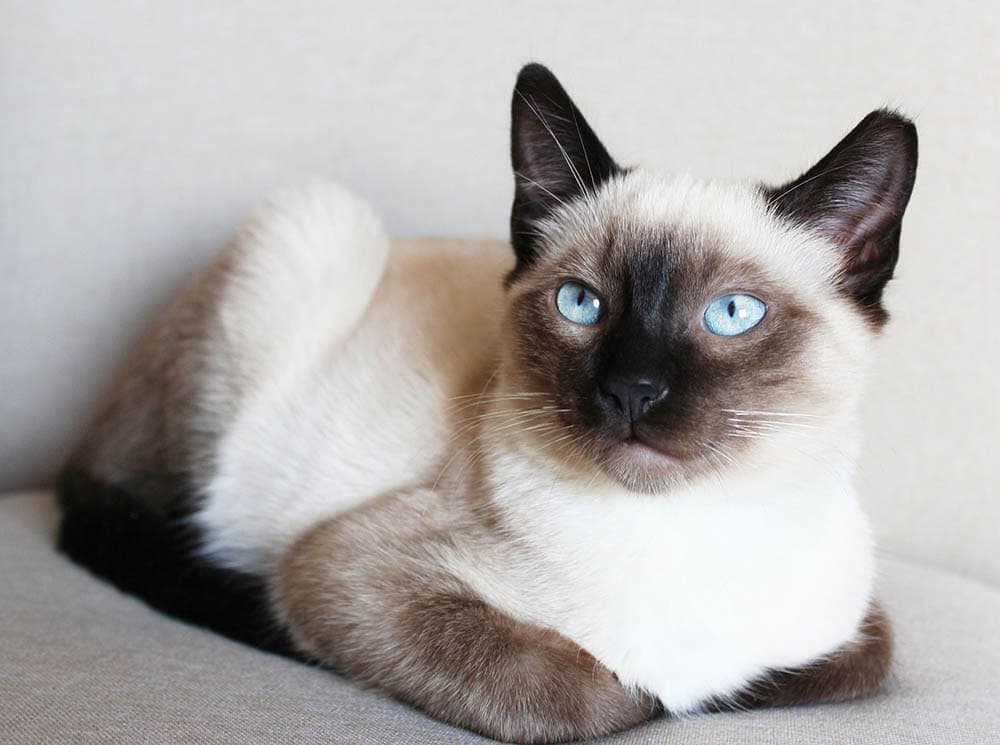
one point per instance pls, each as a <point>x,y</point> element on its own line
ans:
<point>732,315</point>
<point>579,304</point>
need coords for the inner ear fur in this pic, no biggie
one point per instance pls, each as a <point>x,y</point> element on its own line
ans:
<point>555,155</point>
<point>855,196</point>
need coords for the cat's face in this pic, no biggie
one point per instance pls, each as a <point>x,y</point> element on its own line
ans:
<point>674,328</point>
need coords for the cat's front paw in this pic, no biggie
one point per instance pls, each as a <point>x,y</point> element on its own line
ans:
<point>554,691</point>
<point>384,611</point>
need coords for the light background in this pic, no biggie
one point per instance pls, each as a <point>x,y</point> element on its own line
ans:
<point>135,136</point>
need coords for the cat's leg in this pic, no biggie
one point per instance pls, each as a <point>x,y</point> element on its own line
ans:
<point>368,595</point>
<point>859,668</point>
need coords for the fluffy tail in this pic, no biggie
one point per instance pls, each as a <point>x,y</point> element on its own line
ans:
<point>151,552</point>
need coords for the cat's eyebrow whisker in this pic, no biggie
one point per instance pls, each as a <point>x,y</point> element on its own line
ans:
<point>572,168</point>
<point>534,109</point>
<point>821,174</point>
<point>563,202</point>
<point>586,156</point>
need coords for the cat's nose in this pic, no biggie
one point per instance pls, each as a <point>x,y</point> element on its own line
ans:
<point>635,396</point>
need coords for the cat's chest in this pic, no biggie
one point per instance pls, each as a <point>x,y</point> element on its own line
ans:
<point>695,596</point>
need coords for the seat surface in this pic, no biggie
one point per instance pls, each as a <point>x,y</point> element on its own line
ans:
<point>82,662</point>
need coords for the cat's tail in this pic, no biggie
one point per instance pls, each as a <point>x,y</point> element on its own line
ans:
<point>304,269</point>
<point>301,273</point>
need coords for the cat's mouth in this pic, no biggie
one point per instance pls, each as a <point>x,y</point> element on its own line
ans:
<point>643,458</point>
<point>644,465</point>
<point>634,446</point>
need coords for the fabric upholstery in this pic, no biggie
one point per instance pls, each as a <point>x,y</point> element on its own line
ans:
<point>80,662</point>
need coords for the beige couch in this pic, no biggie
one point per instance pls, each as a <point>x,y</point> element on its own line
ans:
<point>134,137</point>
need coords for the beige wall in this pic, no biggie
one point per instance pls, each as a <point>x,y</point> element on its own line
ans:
<point>132,139</point>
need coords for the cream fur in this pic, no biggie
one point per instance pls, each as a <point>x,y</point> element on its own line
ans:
<point>766,570</point>
<point>351,354</point>
<point>346,397</point>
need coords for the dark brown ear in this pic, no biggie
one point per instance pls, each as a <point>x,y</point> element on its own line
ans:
<point>856,196</point>
<point>555,154</point>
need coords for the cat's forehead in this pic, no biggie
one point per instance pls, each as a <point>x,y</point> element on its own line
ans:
<point>641,222</point>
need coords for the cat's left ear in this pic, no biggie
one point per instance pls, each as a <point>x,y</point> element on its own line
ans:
<point>555,154</point>
<point>856,197</point>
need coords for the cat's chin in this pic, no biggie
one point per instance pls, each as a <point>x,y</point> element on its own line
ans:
<point>642,468</point>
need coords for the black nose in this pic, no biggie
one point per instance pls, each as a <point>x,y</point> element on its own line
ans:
<point>634,396</point>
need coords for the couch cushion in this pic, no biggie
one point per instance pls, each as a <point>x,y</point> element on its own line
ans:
<point>81,661</point>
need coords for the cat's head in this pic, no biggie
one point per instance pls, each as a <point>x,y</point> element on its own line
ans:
<point>675,327</point>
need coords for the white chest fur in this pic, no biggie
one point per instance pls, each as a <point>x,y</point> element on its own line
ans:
<point>695,594</point>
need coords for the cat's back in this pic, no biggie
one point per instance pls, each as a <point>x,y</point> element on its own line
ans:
<point>367,413</point>
<point>311,354</point>
<point>308,300</point>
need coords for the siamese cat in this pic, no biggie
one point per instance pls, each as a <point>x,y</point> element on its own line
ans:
<point>544,496</point>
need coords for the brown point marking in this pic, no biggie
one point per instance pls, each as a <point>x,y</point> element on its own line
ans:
<point>378,607</point>
<point>857,669</point>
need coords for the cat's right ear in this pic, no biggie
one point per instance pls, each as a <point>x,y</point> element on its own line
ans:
<point>856,196</point>
<point>555,154</point>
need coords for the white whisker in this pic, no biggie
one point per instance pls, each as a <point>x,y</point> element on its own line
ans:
<point>572,168</point>
<point>775,423</point>
<point>755,412</point>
